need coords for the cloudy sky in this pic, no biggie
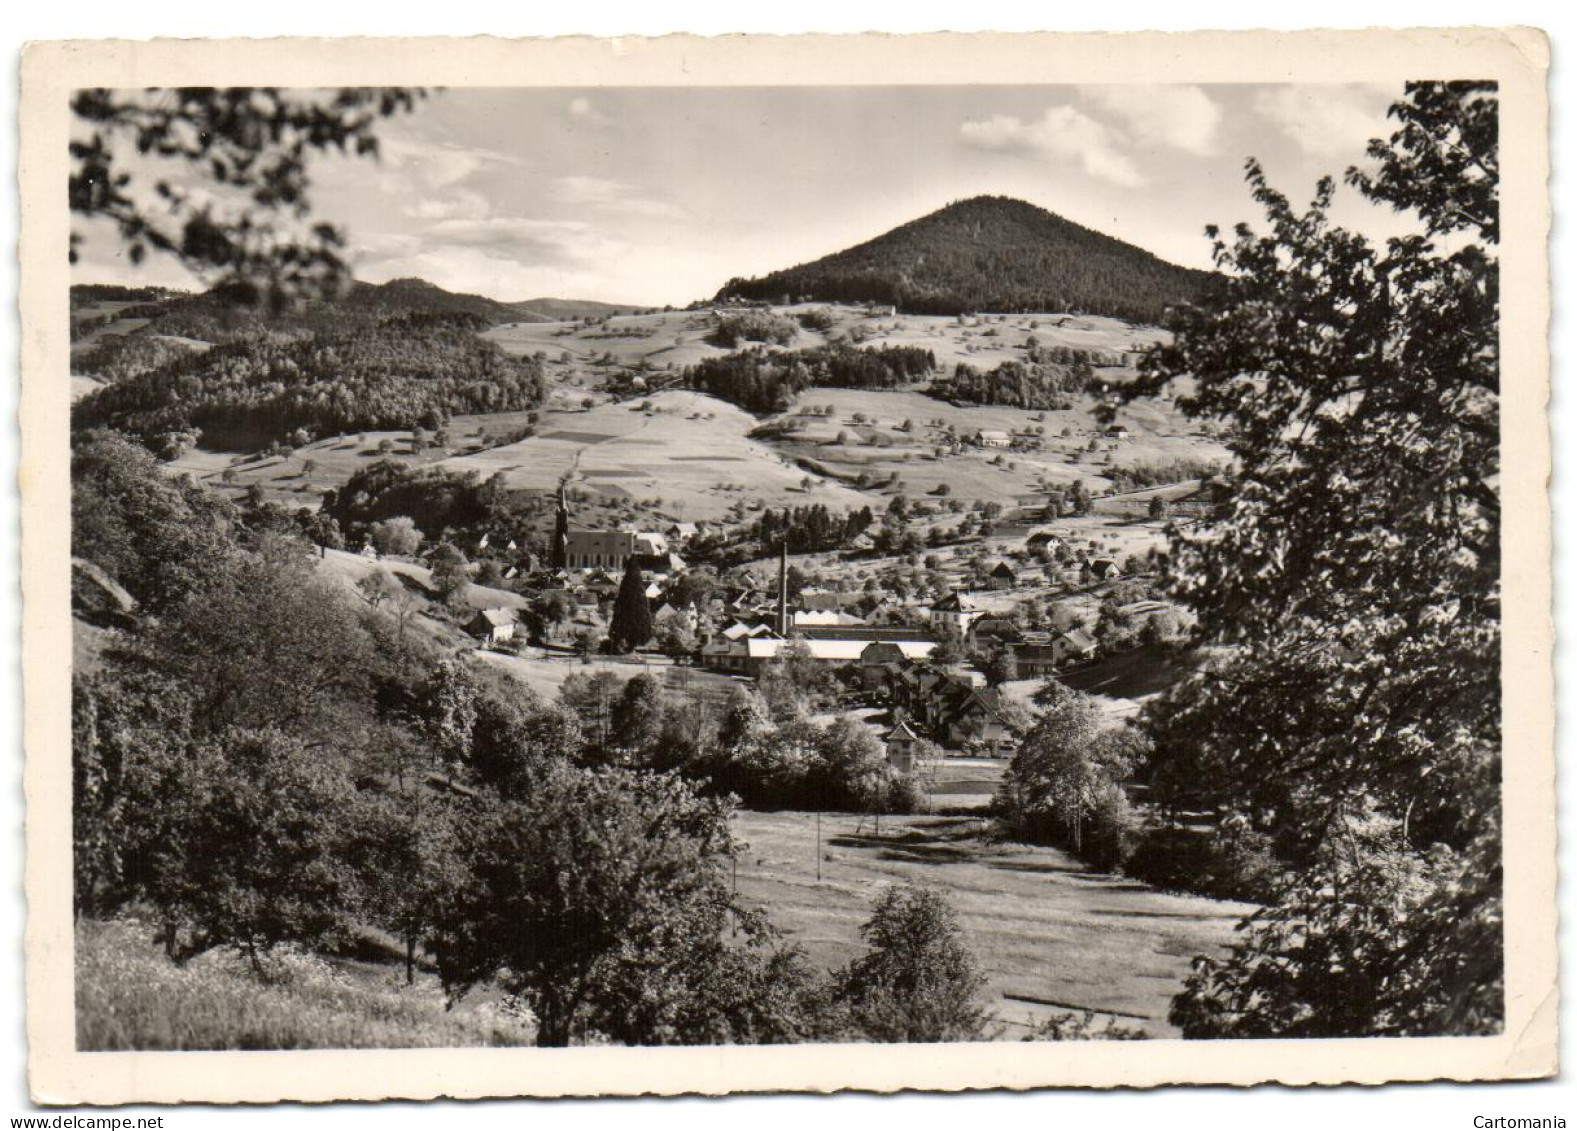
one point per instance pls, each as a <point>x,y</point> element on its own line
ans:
<point>659,195</point>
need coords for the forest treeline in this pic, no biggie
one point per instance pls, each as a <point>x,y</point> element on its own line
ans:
<point>766,381</point>
<point>1046,386</point>
<point>401,372</point>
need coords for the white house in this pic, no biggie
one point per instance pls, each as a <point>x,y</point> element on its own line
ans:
<point>954,613</point>
<point>493,626</point>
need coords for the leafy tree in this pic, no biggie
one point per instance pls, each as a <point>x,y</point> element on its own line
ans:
<point>267,645</point>
<point>377,587</point>
<point>160,538</point>
<point>1054,783</point>
<point>638,715</point>
<point>998,666</point>
<point>632,612</point>
<point>594,903</point>
<point>1354,561</point>
<point>251,145</point>
<point>397,536</point>
<point>793,682</point>
<point>450,572</point>
<point>254,857</point>
<point>549,611</point>
<point>591,698</point>
<point>447,708</point>
<point>404,849</point>
<point>130,730</point>
<point>1370,938</point>
<point>516,737</point>
<point>677,639</point>
<point>919,983</point>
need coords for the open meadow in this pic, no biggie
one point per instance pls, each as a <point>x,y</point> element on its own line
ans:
<point>1052,935</point>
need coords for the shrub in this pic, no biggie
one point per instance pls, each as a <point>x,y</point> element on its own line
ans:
<point>919,983</point>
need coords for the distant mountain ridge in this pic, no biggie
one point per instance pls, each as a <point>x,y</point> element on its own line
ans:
<point>418,295</point>
<point>398,296</point>
<point>988,253</point>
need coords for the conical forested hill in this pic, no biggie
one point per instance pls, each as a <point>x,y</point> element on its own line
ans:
<point>988,253</point>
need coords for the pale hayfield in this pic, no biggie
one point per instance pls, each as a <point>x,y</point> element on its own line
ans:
<point>676,337</point>
<point>986,341</point>
<point>1043,925</point>
<point>334,460</point>
<point>679,337</point>
<point>546,672</point>
<point>1157,433</point>
<point>353,568</point>
<point>691,451</point>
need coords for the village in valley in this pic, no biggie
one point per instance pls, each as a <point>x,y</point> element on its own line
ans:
<point>939,640</point>
<point>887,560</point>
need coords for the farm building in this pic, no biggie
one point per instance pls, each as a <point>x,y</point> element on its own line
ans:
<point>967,714</point>
<point>493,626</point>
<point>1104,569</point>
<point>953,613</point>
<point>816,618</point>
<point>1041,656</point>
<point>901,742</point>
<point>1002,577</point>
<point>988,630</point>
<point>729,650</point>
<point>665,612</point>
<point>991,438</point>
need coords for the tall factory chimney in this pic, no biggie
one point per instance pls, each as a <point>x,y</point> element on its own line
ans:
<point>784,621</point>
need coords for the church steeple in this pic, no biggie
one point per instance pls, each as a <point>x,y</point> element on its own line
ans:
<point>561,527</point>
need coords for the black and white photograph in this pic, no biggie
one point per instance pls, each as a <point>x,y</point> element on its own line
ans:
<point>597,566</point>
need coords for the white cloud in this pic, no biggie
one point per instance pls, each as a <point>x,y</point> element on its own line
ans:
<point>1171,116</point>
<point>515,239</point>
<point>459,203</point>
<point>1328,121</point>
<point>1062,132</point>
<point>437,164</point>
<point>611,196</point>
<point>583,112</point>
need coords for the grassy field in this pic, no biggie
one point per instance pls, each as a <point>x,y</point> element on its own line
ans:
<point>576,357</point>
<point>679,336</point>
<point>545,672</point>
<point>129,996</point>
<point>691,451</point>
<point>1051,935</point>
<point>695,454</point>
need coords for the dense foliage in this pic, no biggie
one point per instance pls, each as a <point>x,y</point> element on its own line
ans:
<point>432,498</point>
<point>402,372</point>
<point>920,983</point>
<point>1064,783</point>
<point>988,253</point>
<point>1016,384</point>
<point>766,381</point>
<point>809,530</point>
<point>1354,568</point>
<point>116,357</point>
<point>227,168</point>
